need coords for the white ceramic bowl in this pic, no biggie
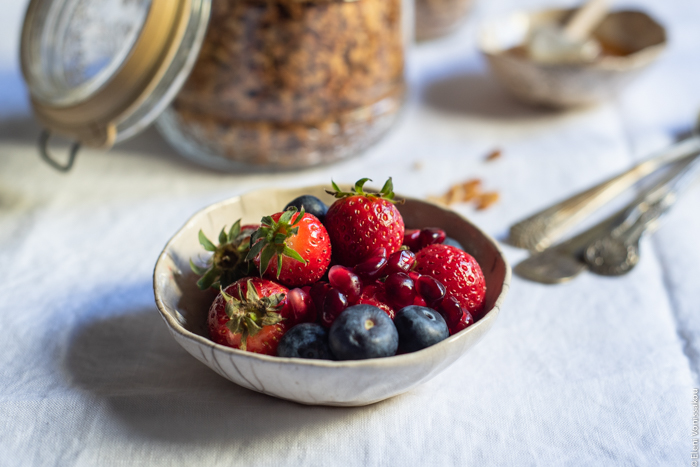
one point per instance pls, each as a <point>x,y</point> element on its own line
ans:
<point>570,85</point>
<point>349,383</point>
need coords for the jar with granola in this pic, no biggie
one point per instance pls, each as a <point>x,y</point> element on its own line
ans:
<point>436,18</point>
<point>285,84</point>
<point>262,84</point>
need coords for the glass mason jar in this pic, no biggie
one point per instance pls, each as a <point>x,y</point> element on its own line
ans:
<point>290,83</point>
<point>263,84</point>
<point>436,18</point>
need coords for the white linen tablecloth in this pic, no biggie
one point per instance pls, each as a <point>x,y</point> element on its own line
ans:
<point>599,371</point>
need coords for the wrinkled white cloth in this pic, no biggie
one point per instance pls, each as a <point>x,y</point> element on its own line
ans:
<point>595,372</point>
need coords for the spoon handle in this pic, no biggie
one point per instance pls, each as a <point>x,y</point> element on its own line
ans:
<point>660,199</point>
<point>540,230</point>
<point>617,252</point>
<point>585,19</point>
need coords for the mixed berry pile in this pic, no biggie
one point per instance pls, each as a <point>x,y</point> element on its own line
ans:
<point>344,282</point>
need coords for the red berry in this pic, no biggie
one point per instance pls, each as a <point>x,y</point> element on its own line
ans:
<point>431,236</point>
<point>333,305</point>
<point>431,290</point>
<point>305,255</point>
<point>360,222</point>
<point>458,271</point>
<point>318,293</point>
<point>371,268</point>
<point>400,290</point>
<point>255,299</point>
<point>456,317</point>
<point>374,294</point>
<point>411,238</point>
<point>414,276</point>
<point>464,322</point>
<point>346,281</point>
<point>303,306</point>
<point>401,261</point>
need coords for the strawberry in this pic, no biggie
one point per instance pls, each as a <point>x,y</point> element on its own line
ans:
<point>359,223</point>
<point>297,242</point>
<point>458,271</point>
<point>250,314</point>
<point>227,264</point>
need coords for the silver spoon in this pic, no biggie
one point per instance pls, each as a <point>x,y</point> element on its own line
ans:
<point>540,230</point>
<point>566,260</point>
<point>617,252</point>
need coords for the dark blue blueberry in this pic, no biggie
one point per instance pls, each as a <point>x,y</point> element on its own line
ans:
<point>311,204</point>
<point>363,331</point>
<point>419,327</point>
<point>306,340</point>
<point>453,242</point>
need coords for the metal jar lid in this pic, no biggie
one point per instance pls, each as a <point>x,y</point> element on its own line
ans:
<point>100,71</point>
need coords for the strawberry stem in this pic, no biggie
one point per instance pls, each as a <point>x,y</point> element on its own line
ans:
<point>387,191</point>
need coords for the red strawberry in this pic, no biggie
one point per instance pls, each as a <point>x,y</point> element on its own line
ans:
<point>375,295</point>
<point>291,247</point>
<point>458,271</point>
<point>227,264</point>
<point>359,223</point>
<point>250,314</point>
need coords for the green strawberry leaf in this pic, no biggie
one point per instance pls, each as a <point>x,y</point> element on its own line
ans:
<point>209,278</point>
<point>235,231</point>
<point>206,243</point>
<point>267,253</point>
<point>293,254</point>
<point>255,250</point>
<point>200,271</point>
<point>360,183</point>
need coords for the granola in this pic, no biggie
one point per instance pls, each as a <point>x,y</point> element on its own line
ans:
<point>293,83</point>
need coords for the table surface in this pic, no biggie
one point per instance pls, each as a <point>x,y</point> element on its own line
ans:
<point>599,371</point>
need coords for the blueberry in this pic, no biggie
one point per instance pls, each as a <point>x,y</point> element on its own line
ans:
<point>419,327</point>
<point>363,331</point>
<point>311,204</point>
<point>453,242</point>
<point>306,340</point>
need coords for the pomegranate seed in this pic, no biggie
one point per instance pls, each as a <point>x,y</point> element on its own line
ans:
<point>302,305</point>
<point>379,251</point>
<point>431,289</point>
<point>464,322</point>
<point>333,305</point>
<point>371,268</point>
<point>400,290</point>
<point>318,294</point>
<point>451,310</point>
<point>414,275</point>
<point>419,301</point>
<point>411,239</point>
<point>401,261</point>
<point>346,281</point>
<point>431,236</point>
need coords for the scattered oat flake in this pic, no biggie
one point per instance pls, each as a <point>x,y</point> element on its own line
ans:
<point>485,200</point>
<point>493,155</point>
<point>418,165</point>
<point>467,191</point>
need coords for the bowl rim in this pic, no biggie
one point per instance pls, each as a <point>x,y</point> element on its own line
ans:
<point>637,59</point>
<point>395,360</point>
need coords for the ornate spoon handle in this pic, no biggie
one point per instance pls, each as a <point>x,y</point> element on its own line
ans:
<point>618,252</point>
<point>540,230</point>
